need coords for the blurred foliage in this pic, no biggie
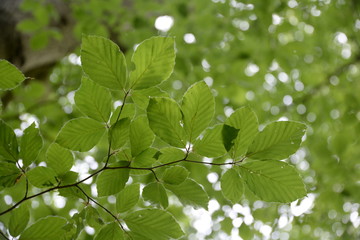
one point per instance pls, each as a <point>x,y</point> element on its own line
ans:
<point>297,60</point>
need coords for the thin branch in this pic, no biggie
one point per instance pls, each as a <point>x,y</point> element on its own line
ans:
<point>104,208</point>
<point>3,234</point>
<point>117,119</point>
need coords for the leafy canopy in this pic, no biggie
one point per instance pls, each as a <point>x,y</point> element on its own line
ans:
<point>156,145</point>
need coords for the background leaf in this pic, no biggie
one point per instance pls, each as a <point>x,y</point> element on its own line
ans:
<point>198,107</point>
<point>80,134</point>
<point>103,62</point>
<point>273,181</point>
<point>164,119</point>
<point>154,61</point>
<point>154,224</point>
<point>277,141</point>
<point>93,100</point>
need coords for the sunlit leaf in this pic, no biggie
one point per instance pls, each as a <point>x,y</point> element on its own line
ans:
<point>277,141</point>
<point>111,181</point>
<point>165,120</point>
<point>19,219</point>
<point>190,193</point>
<point>175,175</point>
<point>45,228</point>
<point>31,144</point>
<point>103,62</point>
<point>211,144</point>
<point>10,76</point>
<point>273,181</point>
<point>80,134</point>
<point>59,159</point>
<point>93,100</point>
<point>171,154</point>
<point>8,142</point>
<point>141,97</point>
<point>9,173</point>
<point>198,106</point>
<point>154,61</point>
<point>144,160</point>
<point>141,136</point>
<point>42,177</point>
<point>128,197</point>
<point>154,224</point>
<point>245,120</point>
<point>119,133</point>
<point>156,194</point>
<point>110,231</point>
<point>232,185</point>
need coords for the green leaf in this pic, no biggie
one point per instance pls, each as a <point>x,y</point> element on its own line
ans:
<point>93,100</point>
<point>156,194</point>
<point>165,120</point>
<point>154,224</point>
<point>273,181</point>
<point>31,144</point>
<point>141,136</point>
<point>198,107</point>
<point>72,192</point>
<point>144,160</point>
<point>19,219</point>
<point>44,229</point>
<point>190,193</point>
<point>119,133</point>
<point>128,198</point>
<point>9,173</point>
<point>229,135</point>
<point>141,97</point>
<point>110,231</point>
<point>10,76</point>
<point>175,175</point>
<point>42,177</point>
<point>103,62</point>
<point>128,111</point>
<point>277,141</point>
<point>245,120</point>
<point>154,61</point>
<point>93,218</point>
<point>171,154</point>
<point>111,181</point>
<point>59,159</point>
<point>80,134</point>
<point>211,144</point>
<point>8,142</point>
<point>232,185</point>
